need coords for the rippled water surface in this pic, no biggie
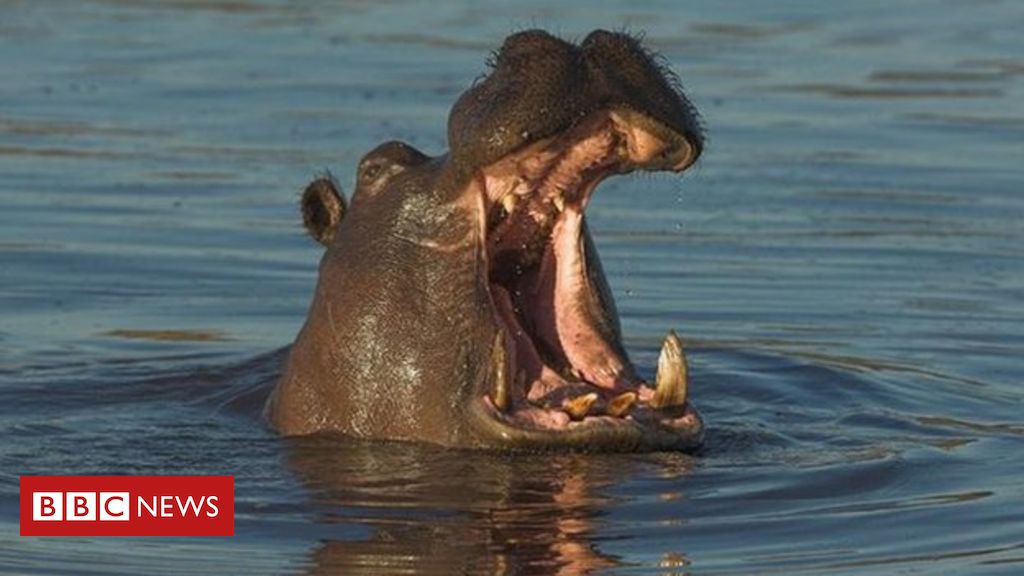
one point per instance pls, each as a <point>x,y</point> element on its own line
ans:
<point>846,265</point>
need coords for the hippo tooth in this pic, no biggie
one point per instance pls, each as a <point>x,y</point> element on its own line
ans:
<point>621,404</point>
<point>578,407</point>
<point>559,201</point>
<point>499,372</point>
<point>672,374</point>
<point>509,201</point>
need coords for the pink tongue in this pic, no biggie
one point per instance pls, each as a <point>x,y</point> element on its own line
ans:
<point>559,295</point>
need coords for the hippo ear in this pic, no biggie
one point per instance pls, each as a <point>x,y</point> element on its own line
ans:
<point>323,207</point>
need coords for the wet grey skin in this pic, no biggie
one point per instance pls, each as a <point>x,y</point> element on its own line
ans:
<point>461,300</point>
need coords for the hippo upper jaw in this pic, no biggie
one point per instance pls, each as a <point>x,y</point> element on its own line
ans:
<point>558,374</point>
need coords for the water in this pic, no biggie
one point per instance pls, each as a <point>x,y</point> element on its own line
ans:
<point>845,264</point>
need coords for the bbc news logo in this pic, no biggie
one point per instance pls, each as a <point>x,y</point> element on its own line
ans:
<point>127,506</point>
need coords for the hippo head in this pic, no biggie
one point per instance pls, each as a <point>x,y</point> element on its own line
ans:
<point>461,300</point>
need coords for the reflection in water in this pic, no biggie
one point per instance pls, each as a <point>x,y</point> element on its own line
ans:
<point>168,335</point>
<point>437,511</point>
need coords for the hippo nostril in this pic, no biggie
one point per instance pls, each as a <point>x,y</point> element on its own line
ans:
<point>598,37</point>
<point>530,41</point>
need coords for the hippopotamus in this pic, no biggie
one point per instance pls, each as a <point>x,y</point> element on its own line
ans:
<point>461,299</point>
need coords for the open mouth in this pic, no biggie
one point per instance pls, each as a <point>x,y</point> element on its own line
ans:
<point>558,363</point>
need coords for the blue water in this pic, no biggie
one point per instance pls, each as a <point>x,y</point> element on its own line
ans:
<point>846,265</point>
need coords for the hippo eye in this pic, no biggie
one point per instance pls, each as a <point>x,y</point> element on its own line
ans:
<point>371,171</point>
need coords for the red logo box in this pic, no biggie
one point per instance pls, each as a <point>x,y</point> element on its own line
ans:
<point>127,506</point>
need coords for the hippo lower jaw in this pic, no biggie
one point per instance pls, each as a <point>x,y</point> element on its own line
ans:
<point>560,376</point>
